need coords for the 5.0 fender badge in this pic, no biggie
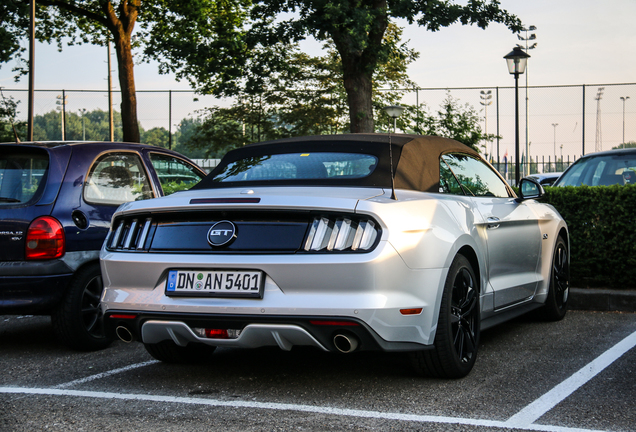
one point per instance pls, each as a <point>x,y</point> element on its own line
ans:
<point>221,233</point>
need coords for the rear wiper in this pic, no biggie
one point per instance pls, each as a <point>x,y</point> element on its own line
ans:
<point>9,200</point>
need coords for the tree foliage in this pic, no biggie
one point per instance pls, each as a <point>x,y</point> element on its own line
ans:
<point>357,29</point>
<point>629,144</point>
<point>9,126</point>
<point>305,98</point>
<point>451,120</point>
<point>207,31</point>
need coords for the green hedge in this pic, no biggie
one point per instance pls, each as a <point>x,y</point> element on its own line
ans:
<point>602,224</point>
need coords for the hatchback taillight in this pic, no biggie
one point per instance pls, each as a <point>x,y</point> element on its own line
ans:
<point>45,239</point>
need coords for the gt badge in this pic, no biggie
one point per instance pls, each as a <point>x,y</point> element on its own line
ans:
<point>221,233</point>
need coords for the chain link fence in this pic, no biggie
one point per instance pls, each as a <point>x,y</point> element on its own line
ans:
<point>557,124</point>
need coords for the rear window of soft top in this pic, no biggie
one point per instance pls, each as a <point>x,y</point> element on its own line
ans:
<point>299,166</point>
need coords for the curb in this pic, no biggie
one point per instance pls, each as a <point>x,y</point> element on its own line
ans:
<point>595,299</point>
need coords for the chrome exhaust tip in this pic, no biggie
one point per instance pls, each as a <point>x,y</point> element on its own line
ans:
<point>124,334</point>
<point>345,344</point>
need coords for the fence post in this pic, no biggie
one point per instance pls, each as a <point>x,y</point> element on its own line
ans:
<point>497,93</point>
<point>417,109</point>
<point>63,115</point>
<point>170,119</point>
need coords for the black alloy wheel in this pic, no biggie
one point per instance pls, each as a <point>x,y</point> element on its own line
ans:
<point>464,315</point>
<point>556,304</point>
<point>458,327</point>
<point>78,320</point>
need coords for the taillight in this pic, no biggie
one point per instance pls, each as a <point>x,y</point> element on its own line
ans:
<point>340,234</point>
<point>45,239</point>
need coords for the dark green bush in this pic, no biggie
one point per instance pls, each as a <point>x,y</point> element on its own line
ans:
<point>602,224</point>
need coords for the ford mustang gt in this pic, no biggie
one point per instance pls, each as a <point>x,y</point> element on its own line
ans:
<point>399,243</point>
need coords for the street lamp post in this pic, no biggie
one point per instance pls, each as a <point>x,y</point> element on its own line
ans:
<point>624,98</point>
<point>516,60</point>
<point>394,111</point>
<point>532,37</point>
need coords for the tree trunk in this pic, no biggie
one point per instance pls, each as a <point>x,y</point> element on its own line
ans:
<point>125,66</point>
<point>359,97</point>
<point>359,61</point>
<point>121,27</point>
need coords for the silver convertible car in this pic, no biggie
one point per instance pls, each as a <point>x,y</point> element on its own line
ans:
<point>355,242</point>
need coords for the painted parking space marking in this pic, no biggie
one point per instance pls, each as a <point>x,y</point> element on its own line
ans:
<point>523,420</point>
<point>105,374</point>
<point>286,407</point>
<point>545,403</point>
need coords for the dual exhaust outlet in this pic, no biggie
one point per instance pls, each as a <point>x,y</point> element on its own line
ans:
<point>343,343</point>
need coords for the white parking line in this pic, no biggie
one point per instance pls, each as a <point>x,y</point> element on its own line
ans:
<point>288,407</point>
<point>545,403</point>
<point>105,374</point>
<point>523,420</point>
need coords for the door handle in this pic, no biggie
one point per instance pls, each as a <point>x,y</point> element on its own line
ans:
<point>493,222</point>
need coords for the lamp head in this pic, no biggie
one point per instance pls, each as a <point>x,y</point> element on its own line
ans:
<point>516,60</point>
<point>394,111</point>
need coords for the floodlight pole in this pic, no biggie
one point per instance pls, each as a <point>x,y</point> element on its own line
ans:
<point>624,99</point>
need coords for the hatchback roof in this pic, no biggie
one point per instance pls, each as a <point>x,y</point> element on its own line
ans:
<point>52,144</point>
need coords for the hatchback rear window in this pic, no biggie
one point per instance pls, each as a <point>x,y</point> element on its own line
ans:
<point>299,166</point>
<point>22,176</point>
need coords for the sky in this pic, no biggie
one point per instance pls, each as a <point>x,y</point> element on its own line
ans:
<point>579,42</point>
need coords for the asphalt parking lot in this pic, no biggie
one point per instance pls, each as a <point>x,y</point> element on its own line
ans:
<point>575,375</point>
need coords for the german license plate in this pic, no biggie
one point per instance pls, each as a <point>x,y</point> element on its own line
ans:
<point>215,283</point>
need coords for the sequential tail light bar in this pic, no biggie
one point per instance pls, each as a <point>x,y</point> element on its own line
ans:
<point>340,234</point>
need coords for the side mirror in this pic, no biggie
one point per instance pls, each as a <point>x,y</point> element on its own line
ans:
<point>529,189</point>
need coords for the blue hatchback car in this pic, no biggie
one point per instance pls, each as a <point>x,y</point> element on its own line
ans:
<point>56,203</point>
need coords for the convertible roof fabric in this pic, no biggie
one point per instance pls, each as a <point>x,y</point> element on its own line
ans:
<point>415,159</point>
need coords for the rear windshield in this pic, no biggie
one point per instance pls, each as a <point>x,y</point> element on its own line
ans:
<point>298,166</point>
<point>21,176</point>
<point>604,170</point>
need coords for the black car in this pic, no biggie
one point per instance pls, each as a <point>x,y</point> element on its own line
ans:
<point>545,179</point>
<point>56,204</point>
<point>602,169</point>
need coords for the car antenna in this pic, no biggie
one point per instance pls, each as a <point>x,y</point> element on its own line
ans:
<point>393,111</point>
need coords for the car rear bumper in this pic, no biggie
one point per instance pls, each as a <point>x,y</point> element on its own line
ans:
<point>31,294</point>
<point>34,287</point>
<point>374,289</point>
<point>253,331</point>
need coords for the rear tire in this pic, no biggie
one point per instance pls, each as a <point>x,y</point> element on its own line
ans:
<point>169,352</point>
<point>457,335</point>
<point>78,321</point>
<point>556,304</point>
